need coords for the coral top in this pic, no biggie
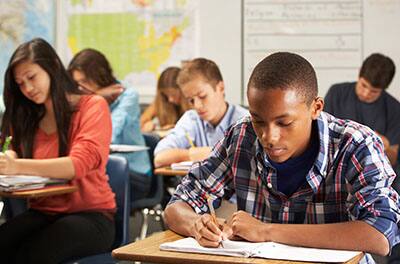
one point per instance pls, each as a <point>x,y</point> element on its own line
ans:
<point>89,142</point>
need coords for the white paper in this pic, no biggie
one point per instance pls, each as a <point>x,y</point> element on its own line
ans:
<point>25,182</point>
<point>268,250</point>
<point>184,165</point>
<point>1,206</point>
<point>127,148</point>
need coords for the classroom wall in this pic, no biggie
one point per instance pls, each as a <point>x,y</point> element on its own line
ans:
<point>220,40</point>
<point>220,24</point>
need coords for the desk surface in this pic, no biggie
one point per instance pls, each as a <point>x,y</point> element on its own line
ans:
<point>167,171</point>
<point>46,191</point>
<point>148,250</point>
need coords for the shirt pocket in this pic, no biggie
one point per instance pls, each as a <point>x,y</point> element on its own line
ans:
<point>326,212</point>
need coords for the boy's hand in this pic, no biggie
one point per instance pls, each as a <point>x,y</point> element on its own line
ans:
<point>199,153</point>
<point>7,162</point>
<point>206,232</point>
<point>245,226</point>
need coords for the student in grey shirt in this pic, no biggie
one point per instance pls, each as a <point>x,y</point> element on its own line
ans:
<point>367,102</point>
<point>201,83</point>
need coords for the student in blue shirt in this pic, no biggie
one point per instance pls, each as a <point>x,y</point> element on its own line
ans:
<point>201,83</point>
<point>93,73</point>
<point>301,176</point>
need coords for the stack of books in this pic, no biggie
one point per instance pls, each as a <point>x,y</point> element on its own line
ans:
<point>11,183</point>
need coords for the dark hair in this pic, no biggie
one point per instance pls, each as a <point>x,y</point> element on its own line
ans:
<point>284,70</point>
<point>166,112</point>
<point>94,65</point>
<point>22,116</point>
<point>378,70</point>
<point>200,67</point>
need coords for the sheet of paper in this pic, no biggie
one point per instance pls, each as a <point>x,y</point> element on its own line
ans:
<point>127,148</point>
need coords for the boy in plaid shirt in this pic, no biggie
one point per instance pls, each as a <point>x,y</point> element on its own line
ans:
<point>301,176</point>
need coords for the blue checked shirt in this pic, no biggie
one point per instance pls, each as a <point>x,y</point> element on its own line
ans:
<point>201,132</point>
<point>350,180</point>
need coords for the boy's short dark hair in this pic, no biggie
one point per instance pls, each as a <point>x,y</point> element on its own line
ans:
<point>200,67</point>
<point>378,70</point>
<point>284,70</point>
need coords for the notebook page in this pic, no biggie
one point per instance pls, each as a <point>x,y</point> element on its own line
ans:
<point>232,248</point>
<point>273,250</point>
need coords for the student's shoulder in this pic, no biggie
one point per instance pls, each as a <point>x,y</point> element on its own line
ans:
<point>240,110</point>
<point>90,101</point>
<point>342,88</point>
<point>129,90</point>
<point>242,128</point>
<point>341,130</point>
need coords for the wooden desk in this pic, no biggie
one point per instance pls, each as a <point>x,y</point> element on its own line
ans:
<point>167,171</point>
<point>46,191</point>
<point>148,250</point>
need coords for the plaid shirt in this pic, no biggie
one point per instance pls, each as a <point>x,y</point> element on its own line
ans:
<point>350,179</point>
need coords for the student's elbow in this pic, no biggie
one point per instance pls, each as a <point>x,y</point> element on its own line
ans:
<point>158,161</point>
<point>381,247</point>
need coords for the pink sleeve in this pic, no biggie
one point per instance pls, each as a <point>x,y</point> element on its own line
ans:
<point>91,136</point>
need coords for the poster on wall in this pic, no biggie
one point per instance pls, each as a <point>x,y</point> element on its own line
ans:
<point>140,38</point>
<point>20,21</point>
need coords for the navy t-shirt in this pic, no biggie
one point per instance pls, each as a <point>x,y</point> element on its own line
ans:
<point>383,115</point>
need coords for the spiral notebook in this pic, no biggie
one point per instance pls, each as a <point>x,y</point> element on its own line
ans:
<point>268,250</point>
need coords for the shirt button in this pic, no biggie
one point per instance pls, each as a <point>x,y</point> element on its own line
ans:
<point>269,185</point>
<point>286,209</point>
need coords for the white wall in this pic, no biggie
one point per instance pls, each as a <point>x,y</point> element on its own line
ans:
<point>220,41</point>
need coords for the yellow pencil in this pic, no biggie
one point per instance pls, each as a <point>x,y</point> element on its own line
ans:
<point>190,140</point>
<point>212,212</point>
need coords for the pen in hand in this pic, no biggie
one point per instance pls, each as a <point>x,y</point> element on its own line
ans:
<point>6,144</point>
<point>213,216</point>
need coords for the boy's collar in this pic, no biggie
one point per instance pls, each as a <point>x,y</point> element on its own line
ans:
<point>225,121</point>
<point>321,163</point>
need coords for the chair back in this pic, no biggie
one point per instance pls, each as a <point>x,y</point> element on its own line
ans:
<point>118,173</point>
<point>156,192</point>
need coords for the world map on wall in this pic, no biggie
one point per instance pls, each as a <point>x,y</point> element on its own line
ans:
<point>140,38</point>
<point>20,21</point>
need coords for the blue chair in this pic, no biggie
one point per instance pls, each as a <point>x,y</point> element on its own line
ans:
<point>150,205</point>
<point>14,207</point>
<point>118,172</point>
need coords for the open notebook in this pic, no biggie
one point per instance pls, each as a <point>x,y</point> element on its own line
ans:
<point>269,250</point>
<point>10,183</point>
<point>184,165</point>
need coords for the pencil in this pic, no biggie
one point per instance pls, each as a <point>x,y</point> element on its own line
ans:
<point>190,140</point>
<point>212,212</point>
<point>6,143</point>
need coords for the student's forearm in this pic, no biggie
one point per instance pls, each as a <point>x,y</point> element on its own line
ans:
<point>169,156</point>
<point>354,235</point>
<point>61,168</point>
<point>148,114</point>
<point>180,218</point>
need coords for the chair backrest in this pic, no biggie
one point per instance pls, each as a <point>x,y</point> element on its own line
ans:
<point>157,185</point>
<point>118,173</point>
